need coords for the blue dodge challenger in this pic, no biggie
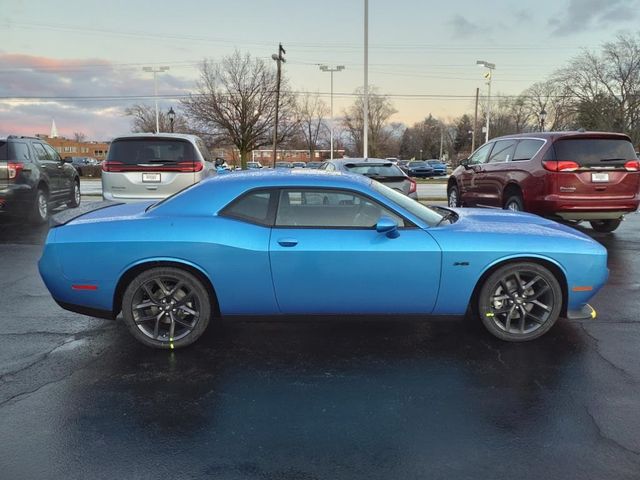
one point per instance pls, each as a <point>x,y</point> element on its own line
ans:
<point>307,242</point>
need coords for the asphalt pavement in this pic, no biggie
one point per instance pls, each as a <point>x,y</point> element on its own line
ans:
<point>323,399</point>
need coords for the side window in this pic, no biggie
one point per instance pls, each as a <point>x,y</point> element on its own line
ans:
<point>19,151</point>
<point>204,151</point>
<point>329,167</point>
<point>254,207</point>
<point>41,153</point>
<point>329,209</point>
<point>526,149</point>
<point>502,151</point>
<point>52,153</point>
<point>480,155</point>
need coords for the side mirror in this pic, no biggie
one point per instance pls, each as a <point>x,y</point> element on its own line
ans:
<point>465,163</point>
<point>67,160</point>
<point>219,162</point>
<point>388,226</point>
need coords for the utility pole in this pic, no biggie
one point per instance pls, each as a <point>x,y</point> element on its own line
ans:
<point>475,122</point>
<point>441,141</point>
<point>365,137</point>
<point>279,61</point>
<point>337,68</point>
<point>155,71</point>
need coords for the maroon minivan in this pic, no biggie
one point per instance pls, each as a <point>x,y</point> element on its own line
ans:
<point>573,176</point>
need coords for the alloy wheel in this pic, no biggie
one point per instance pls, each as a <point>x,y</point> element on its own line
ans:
<point>166,308</point>
<point>522,302</point>
<point>43,206</point>
<point>453,198</point>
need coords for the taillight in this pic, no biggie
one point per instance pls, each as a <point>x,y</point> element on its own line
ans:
<point>111,166</point>
<point>632,165</point>
<point>560,165</point>
<point>178,167</point>
<point>14,169</point>
<point>412,186</point>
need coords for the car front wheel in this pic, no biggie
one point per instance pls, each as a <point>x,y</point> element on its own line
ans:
<point>605,226</point>
<point>74,199</point>
<point>166,308</point>
<point>520,301</point>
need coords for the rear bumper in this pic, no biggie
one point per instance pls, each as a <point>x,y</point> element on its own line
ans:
<point>16,198</point>
<point>573,208</point>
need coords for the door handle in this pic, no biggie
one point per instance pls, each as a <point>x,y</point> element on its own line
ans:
<point>288,242</point>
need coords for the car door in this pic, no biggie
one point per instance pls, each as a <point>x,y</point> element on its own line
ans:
<point>65,172</point>
<point>50,168</point>
<point>327,257</point>
<point>491,181</point>
<point>468,178</point>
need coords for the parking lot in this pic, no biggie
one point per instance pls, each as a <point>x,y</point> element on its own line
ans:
<point>328,398</point>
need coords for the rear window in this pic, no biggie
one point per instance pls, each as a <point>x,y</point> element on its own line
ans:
<point>3,151</point>
<point>150,150</point>
<point>375,170</point>
<point>595,152</point>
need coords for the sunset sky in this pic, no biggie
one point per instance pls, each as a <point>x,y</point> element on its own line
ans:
<point>68,60</point>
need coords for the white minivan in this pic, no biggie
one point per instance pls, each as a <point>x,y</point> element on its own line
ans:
<point>153,166</point>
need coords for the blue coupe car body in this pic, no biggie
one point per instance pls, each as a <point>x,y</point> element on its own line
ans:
<point>269,267</point>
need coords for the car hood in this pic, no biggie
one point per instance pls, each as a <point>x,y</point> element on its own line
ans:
<point>497,221</point>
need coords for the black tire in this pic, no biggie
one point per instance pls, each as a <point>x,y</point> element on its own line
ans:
<point>520,301</point>
<point>605,226</point>
<point>514,203</point>
<point>151,316</point>
<point>74,200</point>
<point>453,197</point>
<point>39,213</point>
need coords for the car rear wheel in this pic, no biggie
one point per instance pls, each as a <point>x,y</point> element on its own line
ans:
<point>74,199</point>
<point>605,226</point>
<point>166,308</point>
<point>520,301</point>
<point>40,208</point>
<point>453,197</point>
<point>514,203</point>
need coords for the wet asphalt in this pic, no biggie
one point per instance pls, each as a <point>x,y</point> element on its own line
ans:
<point>321,399</point>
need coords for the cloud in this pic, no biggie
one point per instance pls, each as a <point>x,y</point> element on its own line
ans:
<point>582,15</point>
<point>462,27</point>
<point>34,90</point>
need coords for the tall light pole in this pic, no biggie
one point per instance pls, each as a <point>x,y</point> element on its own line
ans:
<point>543,117</point>
<point>489,75</point>
<point>172,117</point>
<point>155,71</point>
<point>365,137</point>
<point>337,68</point>
<point>279,59</point>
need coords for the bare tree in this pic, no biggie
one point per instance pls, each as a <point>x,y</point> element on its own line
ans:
<point>380,110</point>
<point>144,120</point>
<point>235,103</point>
<point>79,137</point>
<point>311,117</point>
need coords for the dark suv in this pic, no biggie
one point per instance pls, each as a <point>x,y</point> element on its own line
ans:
<point>573,176</point>
<point>34,179</point>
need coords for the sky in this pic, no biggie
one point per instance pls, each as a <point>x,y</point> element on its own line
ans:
<point>80,62</point>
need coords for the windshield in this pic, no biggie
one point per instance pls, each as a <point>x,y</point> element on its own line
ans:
<point>424,213</point>
<point>375,170</point>
<point>135,151</point>
<point>418,164</point>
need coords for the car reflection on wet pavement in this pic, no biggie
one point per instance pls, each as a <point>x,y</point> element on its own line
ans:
<point>322,398</point>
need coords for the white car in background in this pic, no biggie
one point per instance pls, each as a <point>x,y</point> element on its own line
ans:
<point>153,166</point>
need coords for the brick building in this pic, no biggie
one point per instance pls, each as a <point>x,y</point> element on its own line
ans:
<point>67,147</point>
<point>265,156</point>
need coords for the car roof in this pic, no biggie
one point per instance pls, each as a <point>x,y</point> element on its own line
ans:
<point>181,136</point>
<point>568,134</point>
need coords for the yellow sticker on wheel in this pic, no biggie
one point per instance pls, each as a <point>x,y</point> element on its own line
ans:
<point>490,314</point>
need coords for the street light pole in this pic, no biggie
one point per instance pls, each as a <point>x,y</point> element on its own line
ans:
<point>155,71</point>
<point>489,75</point>
<point>337,68</point>
<point>279,60</point>
<point>365,137</point>
<point>172,116</point>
